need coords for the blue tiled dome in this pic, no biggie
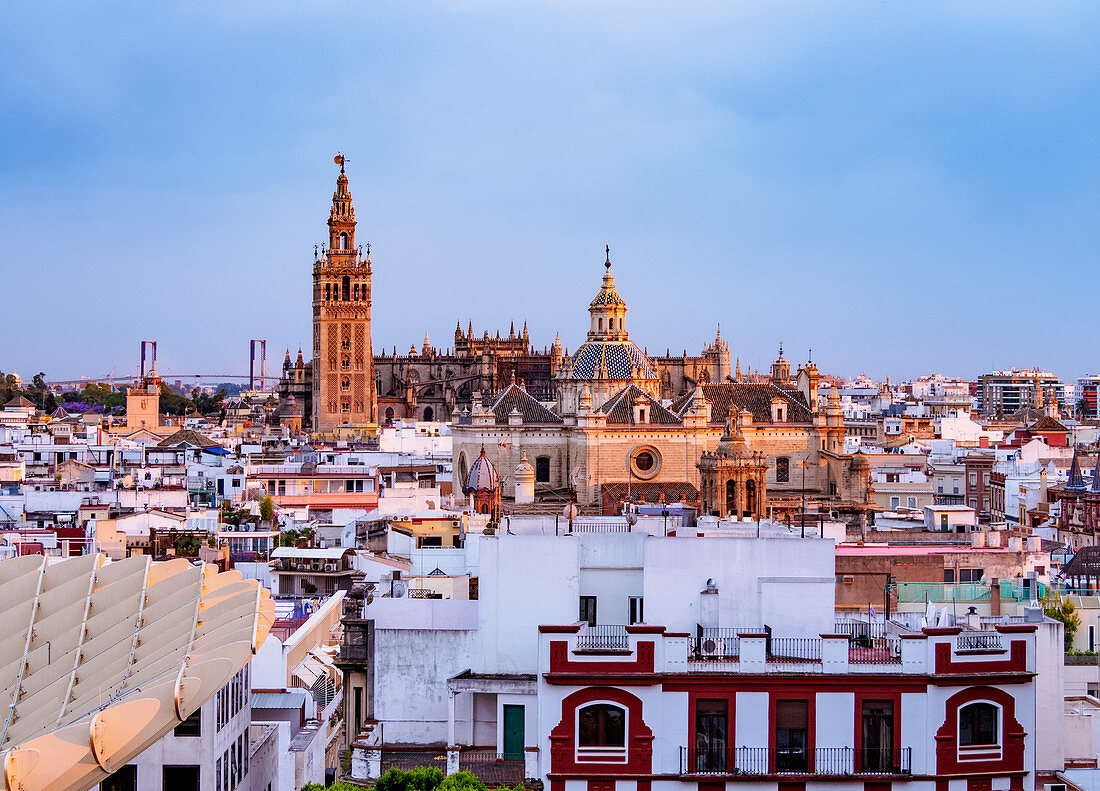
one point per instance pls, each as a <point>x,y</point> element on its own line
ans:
<point>620,359</point>
<point>483,476</point>
<point>608,296</point>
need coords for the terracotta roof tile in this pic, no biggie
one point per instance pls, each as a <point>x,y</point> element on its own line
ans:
<point>515,397</point>
<point>620,408</point>
<point>756,397</point>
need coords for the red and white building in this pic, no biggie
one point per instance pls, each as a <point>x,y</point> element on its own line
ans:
<point>626,662</point>
<point>952,709</point>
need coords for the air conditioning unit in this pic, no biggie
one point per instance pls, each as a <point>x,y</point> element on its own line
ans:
<point>715,647</point>
<point>330,567</point>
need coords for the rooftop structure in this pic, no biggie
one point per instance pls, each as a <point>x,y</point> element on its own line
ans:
<point>102,659</point>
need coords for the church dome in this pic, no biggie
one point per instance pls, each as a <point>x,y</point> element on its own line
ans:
<point>609,360</point>
<point>483,476</point>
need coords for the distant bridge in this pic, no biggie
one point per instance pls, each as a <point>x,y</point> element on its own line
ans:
<point>136,378</point>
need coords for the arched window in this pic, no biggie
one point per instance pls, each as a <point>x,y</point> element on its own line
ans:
<point>343,241</point>
<point>389,419</point>
<point>601,732</point>
<point>731,498</point>
<point>782,470</point>
<point>346,288</point>
<point>328,292</point>
<point>601,325</point>
<point>345,362</point>
<point>611,324</point>
<point>356,292</point>
<point>979,724</point>
<point>345,383</point>
<point>429,414</point>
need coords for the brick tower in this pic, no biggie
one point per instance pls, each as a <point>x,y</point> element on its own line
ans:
<point>343,361</point>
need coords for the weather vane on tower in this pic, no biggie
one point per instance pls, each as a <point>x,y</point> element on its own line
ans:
<point>340,159</point>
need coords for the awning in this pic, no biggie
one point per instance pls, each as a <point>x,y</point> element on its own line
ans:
<point>309,670</point>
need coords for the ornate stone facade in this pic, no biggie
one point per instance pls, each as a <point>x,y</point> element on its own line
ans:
<point>344,391</point>
<point>608,435</point>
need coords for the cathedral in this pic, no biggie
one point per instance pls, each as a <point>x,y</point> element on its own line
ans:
<point>603,424</point>
<point>611,433</point>
<point>347,389</point>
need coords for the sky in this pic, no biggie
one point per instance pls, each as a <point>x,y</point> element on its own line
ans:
<point>902,186</point>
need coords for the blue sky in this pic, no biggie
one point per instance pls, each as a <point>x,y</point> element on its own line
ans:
<point>904,186</point>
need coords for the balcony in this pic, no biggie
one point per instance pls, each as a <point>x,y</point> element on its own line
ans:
<point>716,646</point>
<point>819,761</point>
<point>979,642</point>
<point>605,637</point>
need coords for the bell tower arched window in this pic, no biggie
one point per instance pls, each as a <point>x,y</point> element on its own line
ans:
<point>346,288</point>
<point>343,241</point>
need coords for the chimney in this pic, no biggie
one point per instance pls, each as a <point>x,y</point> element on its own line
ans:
<point>983,441</point>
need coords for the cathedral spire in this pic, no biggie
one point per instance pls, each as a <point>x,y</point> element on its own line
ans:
<point>341,219</point>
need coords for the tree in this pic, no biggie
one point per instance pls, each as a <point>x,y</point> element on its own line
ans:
<point>267,509</point>
<point>1064,611</point>
<point>186,545</point>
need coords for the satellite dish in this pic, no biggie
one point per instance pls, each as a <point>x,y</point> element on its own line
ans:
<point>571,511</point>
<point>400,589</point>
<point>128,482</point>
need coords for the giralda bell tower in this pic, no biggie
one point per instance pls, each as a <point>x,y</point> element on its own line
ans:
<point>343,362</point>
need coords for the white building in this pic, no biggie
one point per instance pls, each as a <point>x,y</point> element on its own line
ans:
<point>681,662</point>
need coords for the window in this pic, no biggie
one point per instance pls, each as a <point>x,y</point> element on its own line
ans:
<point>345,289</point>
<point>979,725</point>
<point>125,779</point>
<point>792,719</point>
<point>973,479</point>
<point>949,576</point>
<point>644,461</point>
<point>892,477</point>
<point>601,325</point>
<point>192,726</point>
<point>343,241</point>
<point>637,610</point>
<point>601,732</point>
<point>912,502</point>
<point>588,610</point>
<point>345,383</point>
<point>895,502</point>
<point>782,470</point>
<point>971,575</point>
<point>611,324</point>
<point>711,735</point>
<point>183,778</point>
<point>878,736</point>
<point>328,292</point>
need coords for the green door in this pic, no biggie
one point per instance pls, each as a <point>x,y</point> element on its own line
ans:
<point>513,733</point>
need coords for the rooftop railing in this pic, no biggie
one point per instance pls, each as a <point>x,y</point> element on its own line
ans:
<point>821,761</point>
<point>604,637</point>
<point>794,650</point>
<point>979,641</point>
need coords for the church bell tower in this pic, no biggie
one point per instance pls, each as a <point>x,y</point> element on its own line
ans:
<point>343,361</point>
